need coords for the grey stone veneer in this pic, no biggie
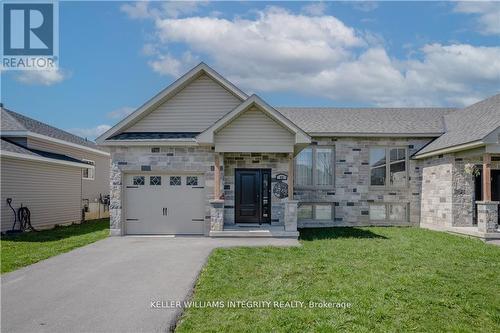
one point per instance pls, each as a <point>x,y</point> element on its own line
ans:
<point>352,193</point>
<point>277,162</point>
<point>216,215</point>
<point>448,197</point>
<point>487,216</point>
<point>439,191</point>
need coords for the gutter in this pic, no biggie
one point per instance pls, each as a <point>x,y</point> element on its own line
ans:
<point>30,134</point>
<point>157,142</point>
<point>374,134</point>
<point>20,156</point>
<point>465,146</point>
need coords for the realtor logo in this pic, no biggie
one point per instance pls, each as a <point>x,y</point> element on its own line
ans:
<point>29,35</point>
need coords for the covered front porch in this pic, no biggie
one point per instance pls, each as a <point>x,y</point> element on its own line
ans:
<point>475,194</point>
<point>254,148</point>
<point>255,195</point>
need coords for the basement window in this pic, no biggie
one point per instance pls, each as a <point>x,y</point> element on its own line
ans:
<point>155,150</point>
<point>389,212</point>
<point>315,212</point>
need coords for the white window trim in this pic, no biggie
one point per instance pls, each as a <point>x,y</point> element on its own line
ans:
<point>91,171</point>
<point>314,171</point>
<point>313,205</point>
<point>388,168</point>
<point>387,204</point>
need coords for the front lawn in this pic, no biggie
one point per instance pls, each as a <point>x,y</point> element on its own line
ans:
<point>397,279</point>
<point>31,247</point>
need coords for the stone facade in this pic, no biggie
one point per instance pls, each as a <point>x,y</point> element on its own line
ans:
<point>169,159</point>
<point>216,215</point>
<point>487,216</point>
<point>438,190</point>
<point>448,191</point>
<point>352,193</point>
<point>290,212</point>
<point>277,162</point>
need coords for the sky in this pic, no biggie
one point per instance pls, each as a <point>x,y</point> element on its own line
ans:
<point>114,56</point>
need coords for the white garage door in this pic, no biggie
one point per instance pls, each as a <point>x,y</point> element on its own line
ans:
<point>158,204</point>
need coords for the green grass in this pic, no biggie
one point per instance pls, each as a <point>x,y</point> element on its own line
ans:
<point>28,248</point>
<point>397,280</point>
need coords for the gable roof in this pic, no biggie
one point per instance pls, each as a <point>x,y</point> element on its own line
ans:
<point>8,148</point>
<point>468,125</point>
<point>169,92</point>
<point>368,121</point>
<point>16,124</point>
<point>207,136</point>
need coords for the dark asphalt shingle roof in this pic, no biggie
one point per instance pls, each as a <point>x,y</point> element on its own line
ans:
<point>368,120</point>
<point>13,121</point>
<point>466,125</point>
<point>154,135</point>
<point>15,148</point>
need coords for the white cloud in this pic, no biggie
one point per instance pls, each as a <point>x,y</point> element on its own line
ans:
<point>90,133</point>
<point>488,15</point>
<point>321,56</point>
<point>365,6</point>
<point>172,9</point>
<point>178,8</point>
<point>137,10</point>
<point>275,41</point>
<point>166,65</point>
<point>45,78</point>
<point>169,65</point>
<point>120,113</point>
<point>315,8</point>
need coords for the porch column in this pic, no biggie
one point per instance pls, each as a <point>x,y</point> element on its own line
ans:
<point>217,177</point>
<point>291,163</point>
<point>487,216</point>
<point>486,177</point>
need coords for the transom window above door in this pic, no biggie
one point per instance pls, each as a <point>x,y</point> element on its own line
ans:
<point>314,167</point>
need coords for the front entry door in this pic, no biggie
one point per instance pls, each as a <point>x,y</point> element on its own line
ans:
<point>252,195</point>
<point>495,185</point>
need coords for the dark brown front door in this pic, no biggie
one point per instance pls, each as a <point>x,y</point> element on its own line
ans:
<point>252,195</point>
<point>495,185</point>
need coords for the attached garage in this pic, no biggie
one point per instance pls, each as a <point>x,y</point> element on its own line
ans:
<point>159,204</point>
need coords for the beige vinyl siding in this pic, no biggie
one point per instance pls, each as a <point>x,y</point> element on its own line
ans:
<point>50,191</point>
<point>91,188</point>
<point>254,131</point>
<point>193,109</point>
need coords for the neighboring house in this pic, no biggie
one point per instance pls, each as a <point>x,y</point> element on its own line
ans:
<point>202,157</point>
<point>52,172</point>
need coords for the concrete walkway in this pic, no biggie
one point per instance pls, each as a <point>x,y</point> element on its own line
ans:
<point>108,286</point>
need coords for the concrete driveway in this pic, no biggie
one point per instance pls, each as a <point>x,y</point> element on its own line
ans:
<point>108,286</point>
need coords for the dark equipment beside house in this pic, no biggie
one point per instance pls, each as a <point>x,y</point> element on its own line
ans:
<point>23,216</point>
